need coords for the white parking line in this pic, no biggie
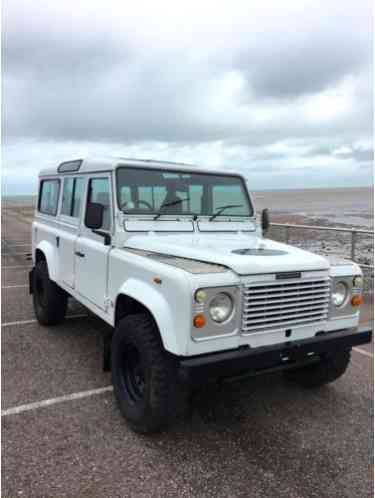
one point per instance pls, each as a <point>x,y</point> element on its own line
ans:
<point>26,322</point>
<point>13,286</point>
<point>362,351</point>
<point>15,267</point>
<point>53,401</point>
<point>16,244</point>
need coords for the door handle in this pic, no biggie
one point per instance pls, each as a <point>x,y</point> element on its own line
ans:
<point>79,254</point>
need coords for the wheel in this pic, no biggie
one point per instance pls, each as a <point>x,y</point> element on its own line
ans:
<point>50,301</point>
<point>330,368</point>
<point>143,376</point>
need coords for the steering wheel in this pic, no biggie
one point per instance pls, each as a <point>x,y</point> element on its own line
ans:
<point>138,202</point>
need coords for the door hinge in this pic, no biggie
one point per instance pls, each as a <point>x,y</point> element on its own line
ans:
<point>108,303</point>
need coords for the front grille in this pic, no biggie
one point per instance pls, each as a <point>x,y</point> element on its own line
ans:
<point>283,304</point>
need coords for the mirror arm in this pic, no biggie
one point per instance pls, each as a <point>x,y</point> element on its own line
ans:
<point>105,235</point>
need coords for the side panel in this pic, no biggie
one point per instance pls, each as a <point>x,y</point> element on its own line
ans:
<point>91,254</point>
<point>169,302</point>
<point>46,239</point>
<point>91,260</point>
<point>67,243</point>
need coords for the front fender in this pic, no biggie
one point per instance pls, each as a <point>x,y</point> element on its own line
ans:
<point>49,252</point>
<point>152,299</point>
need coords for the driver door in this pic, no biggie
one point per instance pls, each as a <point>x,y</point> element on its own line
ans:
<point>91,255</point>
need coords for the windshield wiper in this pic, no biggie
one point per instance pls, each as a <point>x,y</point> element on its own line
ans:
<point>173,203</point>
<point>223,208</point>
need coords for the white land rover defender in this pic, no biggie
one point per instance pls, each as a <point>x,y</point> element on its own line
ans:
<point>171,257</point>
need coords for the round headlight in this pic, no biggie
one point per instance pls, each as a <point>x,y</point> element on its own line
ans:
<point>221,307</point>
<point>358,281</point>
<point>339,294</point>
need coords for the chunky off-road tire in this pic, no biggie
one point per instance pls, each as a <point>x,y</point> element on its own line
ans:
<point>330,368</point>
<point>50,301</point>
<point>143,375</point>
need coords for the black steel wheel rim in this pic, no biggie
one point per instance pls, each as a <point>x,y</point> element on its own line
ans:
<point>132,373</point>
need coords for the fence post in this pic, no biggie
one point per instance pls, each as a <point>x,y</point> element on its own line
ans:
<point>354,237</point>
<point>287,235</point>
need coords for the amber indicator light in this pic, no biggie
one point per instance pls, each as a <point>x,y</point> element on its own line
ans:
<point>199,321</point>
<point>357,300</point>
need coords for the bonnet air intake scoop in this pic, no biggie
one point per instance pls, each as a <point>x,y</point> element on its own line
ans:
<point>259,252</point>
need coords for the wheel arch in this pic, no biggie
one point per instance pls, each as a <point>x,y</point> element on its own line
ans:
<point>46,252</point>
<point>131,300</point>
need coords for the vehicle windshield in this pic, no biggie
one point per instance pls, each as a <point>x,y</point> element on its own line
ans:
<point>167,192</point>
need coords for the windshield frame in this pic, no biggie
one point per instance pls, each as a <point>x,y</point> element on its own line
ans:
<point>252,212</point>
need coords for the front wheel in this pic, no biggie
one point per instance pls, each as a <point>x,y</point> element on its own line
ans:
<point>330,368</point>
<point>50,301</point>
<point>143,376</point>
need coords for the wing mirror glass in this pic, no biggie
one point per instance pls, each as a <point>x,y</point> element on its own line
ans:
<point>94,215</point>
<point>265,220</point>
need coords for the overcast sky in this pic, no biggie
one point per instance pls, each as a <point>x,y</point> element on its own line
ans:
<point>281,90</point>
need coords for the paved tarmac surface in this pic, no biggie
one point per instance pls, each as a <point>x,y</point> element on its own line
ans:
<point>263,438</point>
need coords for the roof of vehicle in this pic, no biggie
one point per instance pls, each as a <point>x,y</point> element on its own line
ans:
<point>95,164</point>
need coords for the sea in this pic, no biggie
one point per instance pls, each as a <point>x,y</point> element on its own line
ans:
<point>351,207</point>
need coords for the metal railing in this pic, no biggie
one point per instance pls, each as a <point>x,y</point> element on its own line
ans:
<point>353,231</point>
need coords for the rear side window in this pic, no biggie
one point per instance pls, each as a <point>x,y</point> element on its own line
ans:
<point>49,196</point>
<point>72,197</point>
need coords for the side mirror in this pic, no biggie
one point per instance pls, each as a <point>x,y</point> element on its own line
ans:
<point>265,220</point>
<point>94,215</point>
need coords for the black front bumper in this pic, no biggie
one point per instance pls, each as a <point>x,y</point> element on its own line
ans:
<point>254,361</point>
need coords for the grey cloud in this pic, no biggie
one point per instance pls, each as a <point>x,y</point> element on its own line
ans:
<point>66,81</point>
<point>319,150</point>
<point>290,71</point>
<point>72,85</point>
<point>359,154</point>
<point>306,54</point>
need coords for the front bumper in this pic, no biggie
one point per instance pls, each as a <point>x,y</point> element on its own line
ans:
<point>254,361</point>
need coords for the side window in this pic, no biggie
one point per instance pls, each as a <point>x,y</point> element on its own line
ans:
<point>72,197</point>
<point>79,191</point>
<point>49,196</point>
<point>66,205</point>
<point>99,192</point>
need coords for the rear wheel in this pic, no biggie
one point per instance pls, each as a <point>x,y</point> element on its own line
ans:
<point>50,301</point>
<point>144,377</point>
<point>330,368</point>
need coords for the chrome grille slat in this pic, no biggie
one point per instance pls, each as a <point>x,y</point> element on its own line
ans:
<point>282,304</point>
<point>302,283</point>
<point>282,294</point>
<point>286,290</point>
<point>282,316</point>
<point>264,305</point>
<point>283,325</point>
<point>283,311</point>
<point>315,297</point>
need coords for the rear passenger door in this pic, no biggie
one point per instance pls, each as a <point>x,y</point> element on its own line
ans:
<point>70,217</point>
<point>91,254</point>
